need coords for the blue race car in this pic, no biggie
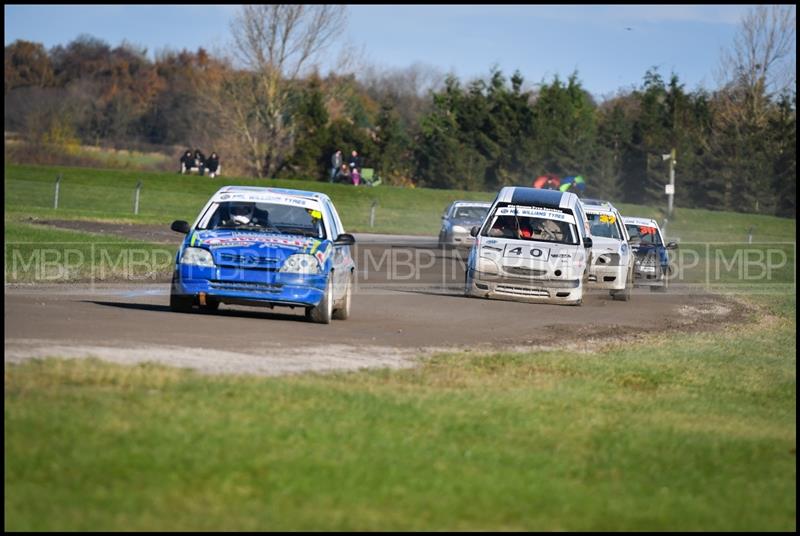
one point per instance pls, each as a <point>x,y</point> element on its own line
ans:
<point>269,247</point>
<point>651,265</point>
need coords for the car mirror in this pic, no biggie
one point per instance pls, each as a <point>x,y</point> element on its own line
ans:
<point>180,226</point>
<point>672,245</point>
<point>587,242</point>
<point>345,239</point>
<point>474,231</point>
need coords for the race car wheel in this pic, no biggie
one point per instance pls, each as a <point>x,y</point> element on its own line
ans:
<point>624,294</point>
<point>467,283</point>
<point>211,305</point>
<point>664,287</point>
<point>179,303</point>
<point>323,312</point>
<point>343,311</point>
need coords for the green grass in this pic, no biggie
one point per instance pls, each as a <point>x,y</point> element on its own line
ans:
<point>109,195</point>
<point>711,243</point>
<point>34,253</point>
<point>676,433</point>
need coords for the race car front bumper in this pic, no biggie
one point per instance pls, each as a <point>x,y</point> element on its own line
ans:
<point>249,287</point>
<point>561,291</point>
<point>649,276</point>
<point>607,277</point>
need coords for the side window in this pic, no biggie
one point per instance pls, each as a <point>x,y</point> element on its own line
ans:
<point>581,220</point>
<point>335,223</point>
<point>623,231</point>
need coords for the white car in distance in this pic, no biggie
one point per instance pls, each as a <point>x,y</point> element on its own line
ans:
<point>612,261</point>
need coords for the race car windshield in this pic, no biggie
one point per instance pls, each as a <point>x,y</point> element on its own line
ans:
<point>644,234</point>
<point>532,228</point>
<point>604,225</point>
<point>265,217</point>
<point>470,213</point>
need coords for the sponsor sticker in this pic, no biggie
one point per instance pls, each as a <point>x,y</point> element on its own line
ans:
<point>535,212</point>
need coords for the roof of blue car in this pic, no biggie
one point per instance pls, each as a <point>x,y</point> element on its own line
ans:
<point>282,191</point>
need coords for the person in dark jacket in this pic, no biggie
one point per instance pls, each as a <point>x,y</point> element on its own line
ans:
<point>200,160</point>
<point>354,161</point>
<point>187,162</point>
<point>212,165</point>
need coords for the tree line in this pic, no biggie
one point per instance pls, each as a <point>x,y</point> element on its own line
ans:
<point>269,113</point>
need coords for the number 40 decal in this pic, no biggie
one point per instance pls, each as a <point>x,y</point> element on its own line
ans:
<point>535,252</point>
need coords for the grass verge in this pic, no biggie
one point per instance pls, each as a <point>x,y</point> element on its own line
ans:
<point>40,254</point>
<point>676,433</point>
<point>109,195</point>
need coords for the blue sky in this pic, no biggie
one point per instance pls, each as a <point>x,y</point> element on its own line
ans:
<point>541,41</point>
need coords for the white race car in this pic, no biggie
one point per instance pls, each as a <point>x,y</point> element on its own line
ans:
<point>532,246</point>
<point>612,259</point>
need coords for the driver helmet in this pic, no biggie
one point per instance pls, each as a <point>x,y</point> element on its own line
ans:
<point>241,213</point>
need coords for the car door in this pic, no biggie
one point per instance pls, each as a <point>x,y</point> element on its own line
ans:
<point>342,259</point>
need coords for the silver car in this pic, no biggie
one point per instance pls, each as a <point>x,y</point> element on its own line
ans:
<point>457,221</point>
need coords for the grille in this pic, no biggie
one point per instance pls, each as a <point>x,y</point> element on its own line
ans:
<point>521,291</point>
<point>252,261</point>
<point>529,272</point>
<point>246,286</point>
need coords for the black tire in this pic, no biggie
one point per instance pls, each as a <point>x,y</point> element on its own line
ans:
<point>467,283</point>
<point>663,287</point>
<point>343,311</point>
<point>210,306</point>
<point>624,294</point>
<point>323,312</point>
<point>180,303</point>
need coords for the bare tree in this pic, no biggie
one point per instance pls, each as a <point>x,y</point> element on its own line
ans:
<point>762,62</point>
<point>759,68</point>
<point>274,44</point>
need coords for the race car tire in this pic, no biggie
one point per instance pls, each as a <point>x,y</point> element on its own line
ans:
<point>343,311</point>
<point>624,294</point>
<point>661,288</point>
<point>323,312</point>
<point>467,284</point>
<point>211,305</point>
<point>180,303</point>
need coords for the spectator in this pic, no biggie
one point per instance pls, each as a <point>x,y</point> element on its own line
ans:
<point>354,161</point>
<point>187,162</point>
<point>343,175</point>
<point>200,161</point>
<point>336,163</point>
<point>212,164</point>
<point>356,176</point>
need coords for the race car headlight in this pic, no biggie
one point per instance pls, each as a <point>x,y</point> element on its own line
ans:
<point>198,257</point>
<point>487,266</point>
<point>301,263</point>
<point>460,229</point>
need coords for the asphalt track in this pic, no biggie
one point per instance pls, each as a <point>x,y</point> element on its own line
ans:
<point>407,303</point>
